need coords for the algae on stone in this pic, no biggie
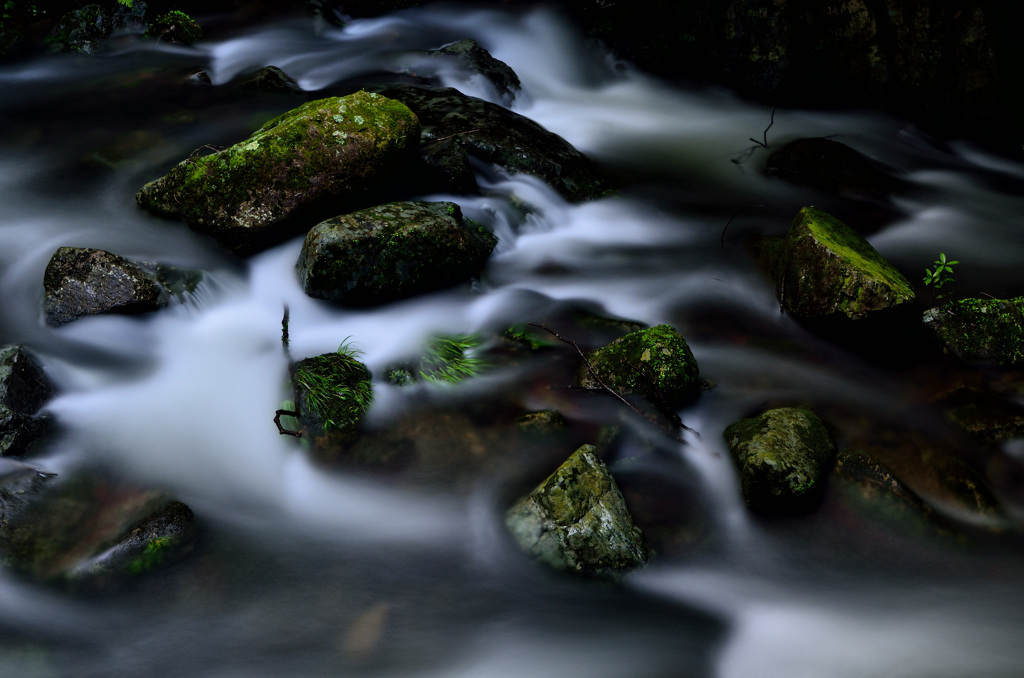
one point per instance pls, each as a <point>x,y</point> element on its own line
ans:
<point>782,455</point>
<point>823,267</point>
<point>984,330</point>
<point>391,251</point>
<point>242,196</point>
<point>576,520</point>
<point>655,363</point>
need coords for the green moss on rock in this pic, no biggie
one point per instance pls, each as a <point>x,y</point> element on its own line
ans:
<point>655,363</point>
<point>824,268</point>
<point>782,455</point>
<point>390,252</point>
<point>983,330</point>
<point>242,196</point>
<point>576,520</point>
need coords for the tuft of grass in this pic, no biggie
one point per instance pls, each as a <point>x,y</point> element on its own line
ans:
<point>450,358</point>
<point>336,387</point>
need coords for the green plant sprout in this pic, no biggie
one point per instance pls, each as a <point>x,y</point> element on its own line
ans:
<point>449,358</point>
<point>942,273</point>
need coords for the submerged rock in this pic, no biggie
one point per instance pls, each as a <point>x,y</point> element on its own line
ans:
<point>24,389</point>
<point>576,520</point>
<point>824,268</point>
<point>497,136</point>
<point>81,281</point>
<point>332,393</point>
<point>469,55</point>
<point>830,166</point>
<point>390,252</point>
<point>655,363</point>
<point>270,79</point>
<point>981,330</point>
<point>783,456</point>
<point>87,530</point>
<point>243,196</point>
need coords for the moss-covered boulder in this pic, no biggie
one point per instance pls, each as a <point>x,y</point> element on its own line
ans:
<point>332,392</point>
<point>782,454</point>
<point>824,268</point>
<point>390,252</point>
<point>81,281</point>
<point>24,389</point>
<point>497,136</point>
<point>576,520</point>
<point>654,363</point>
<point>981,330</point>
<point>88,530</point>
<point>177,28</point>
<point>245,195</point>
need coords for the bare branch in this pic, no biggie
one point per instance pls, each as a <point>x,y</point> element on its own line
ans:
<point>281,429</point>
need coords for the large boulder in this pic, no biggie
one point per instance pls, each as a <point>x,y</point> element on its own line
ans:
<point>82,281</point>
<point>782,454</point>
<point>497,136</point>
<point>391,251</point>
<point>822,267</point>
<point>245,196</point>
<point>981,330</point>
<point>576,520</point>
<point>654,363</point>
<point>24,389</point>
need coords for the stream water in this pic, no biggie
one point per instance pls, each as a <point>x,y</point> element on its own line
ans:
<point>303,571</point>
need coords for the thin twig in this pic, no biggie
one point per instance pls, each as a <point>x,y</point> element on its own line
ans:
<point>281,429</point>
<point>603,385</point>
<point>468,131</point>
<point>735,214</point>
<point>772,122</point>
<point>662,403</point>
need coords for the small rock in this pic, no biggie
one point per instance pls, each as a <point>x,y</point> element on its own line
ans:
<point>391,252</point>
<point>177,28</point>
<point>472,57</point>
<point>655,363</point>
<point>830,166</point>
<point>981,330</point>
<point>824,268</point>
<point>544,421</point>
<point>783,456</point>
<point>81,281</point>
<point>24,389</point>
<point>270,79</point>
<point>576,520</point>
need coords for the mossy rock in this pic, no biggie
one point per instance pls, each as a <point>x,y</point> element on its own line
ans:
<point>576,520</point>
<point>783,454</point>
<point>824,268</point>
<point>87,530</point>
<point>243,196</point>
<point>391,252</point>
<point>81,30</point>
<point>177,28</point>
<point>332,393</point>
<point>82,281</point>
<point>981,330</point>
<point>654,363</point>
<point>24,389</point>
<point>497,136</point>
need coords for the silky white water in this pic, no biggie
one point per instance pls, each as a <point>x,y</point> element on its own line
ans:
<point>307,572</point>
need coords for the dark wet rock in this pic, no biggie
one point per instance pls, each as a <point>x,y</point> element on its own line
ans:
<point>390,252</point>
<point>270,79</point>
<point>783,454</point>
<point>576,520</point>
<point>81,30</point>
<point>981,330</point>
<point>869,486</point>
<point>24,389</point>
<point>448,166</point>
<point>330,149</point>
<point>832,167</point>
<point>87,530</point>
<point>496,136</point>
<point>541,422</point>
<point>177,28</point>
<point>983,414</point>
<point>822,267</point>
<point>81,281</point>
<point>655,363</point>
<point>332,393</point>
<point>472,57</point>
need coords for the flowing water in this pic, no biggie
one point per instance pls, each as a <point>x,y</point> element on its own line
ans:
<point>302,571</point>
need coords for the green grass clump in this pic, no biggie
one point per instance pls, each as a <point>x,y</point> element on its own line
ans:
<point>334,388</point>
<point>450,358</point>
